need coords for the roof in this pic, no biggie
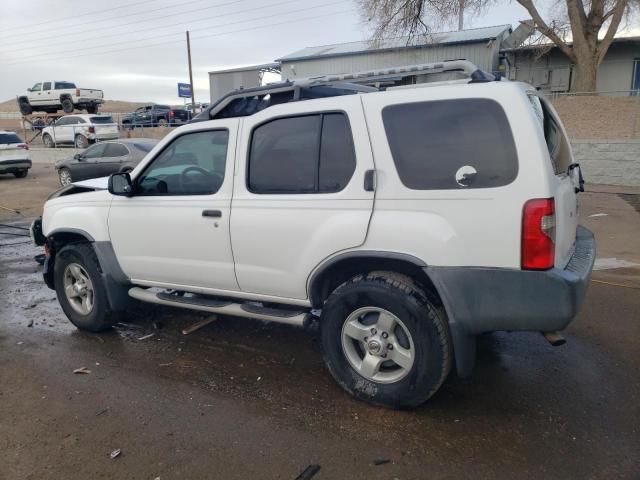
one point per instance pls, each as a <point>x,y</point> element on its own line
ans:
<point>525,48</point>
<point>136,140</point>
<point>473,35</point>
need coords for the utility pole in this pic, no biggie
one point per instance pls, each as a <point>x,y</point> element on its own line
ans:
<point>461,15</point>
<point>193,100</point>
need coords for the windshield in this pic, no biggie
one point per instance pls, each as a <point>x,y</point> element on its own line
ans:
<point>7,138</point>
<point>162,107</point>
<point>101,120</point>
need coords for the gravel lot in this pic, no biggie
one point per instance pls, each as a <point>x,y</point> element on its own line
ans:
<point>244,399</point>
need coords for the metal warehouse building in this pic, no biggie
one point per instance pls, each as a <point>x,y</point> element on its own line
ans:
<point>481,46</point>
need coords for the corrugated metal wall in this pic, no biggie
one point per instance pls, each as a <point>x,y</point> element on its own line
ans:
<point>483,54</point>
<point>221,83</point>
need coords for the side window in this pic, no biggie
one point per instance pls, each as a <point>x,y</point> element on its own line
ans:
<point>62,121</point>
<point>37,87</point>
<point>305,154</point>
<point>96,151</point>
<point>192,164</point>
<point>431,141</point>
<point>115,150</point>
<point>46,86</point>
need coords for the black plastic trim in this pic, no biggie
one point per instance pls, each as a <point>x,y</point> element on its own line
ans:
<point>199,300</point>
<point>273,312</point>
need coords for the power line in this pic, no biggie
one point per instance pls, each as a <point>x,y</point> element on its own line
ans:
<point>129,42</point>
<point>116,17</point>
<point>135,47</point>
<point>159,26</point>
<point>30,25</point>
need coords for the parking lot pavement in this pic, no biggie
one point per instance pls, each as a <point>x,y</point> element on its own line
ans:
<point>244,399</point>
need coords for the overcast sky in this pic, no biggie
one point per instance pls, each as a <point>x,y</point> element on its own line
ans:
<point>136,50</point>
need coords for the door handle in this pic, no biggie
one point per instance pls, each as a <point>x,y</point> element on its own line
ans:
<point>369,180</point>
<point>212,213</point>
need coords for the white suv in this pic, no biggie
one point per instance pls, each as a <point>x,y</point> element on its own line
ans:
<point>403,222</point>
<point>80,130</point>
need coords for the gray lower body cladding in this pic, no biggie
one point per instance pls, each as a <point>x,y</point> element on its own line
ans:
<point>12,166</point>
<point>481,300</point>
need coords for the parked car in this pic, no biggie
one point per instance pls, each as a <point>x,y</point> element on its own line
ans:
<point>80,130</point>
<point>403,223</point>
<point>104,158</point>
<point>51,96</point>
<point>14,155</point>
<point>156,116</point>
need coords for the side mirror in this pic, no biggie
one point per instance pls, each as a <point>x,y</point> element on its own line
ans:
<point>78,156</point>
<point>120,184</point>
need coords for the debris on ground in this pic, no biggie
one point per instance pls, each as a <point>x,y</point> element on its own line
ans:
<point>308,472</point>
<point>599,215</point>
<point>144,337</point>
<point>199,325</point>
<point>115,453</point>
<point>104,410</point>
<point>30,324</point>
<point>82,370</point>
<point>381,461</point>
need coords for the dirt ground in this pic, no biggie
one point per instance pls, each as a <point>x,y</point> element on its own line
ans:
<point>242,399</point>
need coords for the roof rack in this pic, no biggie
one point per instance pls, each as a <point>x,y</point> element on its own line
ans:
<point>247,101</point>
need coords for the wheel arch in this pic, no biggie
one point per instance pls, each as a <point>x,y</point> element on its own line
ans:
<point>338,269</point>
<point>23,99</point>
<point>66,96</point>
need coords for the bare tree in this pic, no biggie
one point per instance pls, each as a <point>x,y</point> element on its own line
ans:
<point>582,29</point>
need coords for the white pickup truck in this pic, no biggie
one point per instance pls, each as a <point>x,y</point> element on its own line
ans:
<point>52,96</point>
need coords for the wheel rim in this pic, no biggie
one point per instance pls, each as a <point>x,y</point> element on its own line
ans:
<point>78,288</point>
<point>65,178</point>
<point>81,142</point>
<point>378,345</point>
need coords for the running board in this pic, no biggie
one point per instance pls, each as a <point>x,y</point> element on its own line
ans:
<point>223,307</point>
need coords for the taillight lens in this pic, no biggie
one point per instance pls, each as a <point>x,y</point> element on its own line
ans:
<point>77,92</point>
<point>24,146</point>
<point>171,113</point>
<point>538,234</point>
<point>92,129</point>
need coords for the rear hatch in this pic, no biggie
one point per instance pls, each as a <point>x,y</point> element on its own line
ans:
<point>565,182</point>
<point>104,126</point>
<point>12,147</point>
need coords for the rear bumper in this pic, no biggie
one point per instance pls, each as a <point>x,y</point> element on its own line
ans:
<point>14,165</point>
<point>481,300</point>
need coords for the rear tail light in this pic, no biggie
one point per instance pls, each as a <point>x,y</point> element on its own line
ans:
<point>538,234</point>
<point>171,113</point>
<point>92,129</point>
<point>77,92</point>
<point>24,146</point>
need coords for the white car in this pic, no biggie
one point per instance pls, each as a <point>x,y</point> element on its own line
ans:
<point>54,95</point>
<point>80,130</point>
<point>14,155</point>
<point>402,222</point>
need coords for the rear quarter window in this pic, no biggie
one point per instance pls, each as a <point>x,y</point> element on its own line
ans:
<point>430,141</point>
<point>9,138</point>
<point>102,120</point>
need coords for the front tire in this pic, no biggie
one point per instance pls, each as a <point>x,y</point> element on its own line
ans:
<point>48,141</point>
<point>93,108</point>
<point>80,288</point>
<point>25,108</point>
<point>385,341</point>
<point>21,173</point>
<point>64,174</point>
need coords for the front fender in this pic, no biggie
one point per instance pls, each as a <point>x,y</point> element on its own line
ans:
<point>85,213</point>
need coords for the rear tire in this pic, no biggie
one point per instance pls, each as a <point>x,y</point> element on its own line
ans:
<point>67,105</point>
<point>417,335</point>
<point>162,122</point>
<point>21,173</point>
<point>80,289</point>
<point>81,141</point>
<point>91,109</point>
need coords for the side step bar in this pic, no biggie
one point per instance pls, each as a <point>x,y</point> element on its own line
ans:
<point>223,307</point>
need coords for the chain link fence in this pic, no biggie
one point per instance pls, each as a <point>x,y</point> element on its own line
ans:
<point>599,115</point>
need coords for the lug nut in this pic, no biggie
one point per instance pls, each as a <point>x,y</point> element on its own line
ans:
<point>373,331</point>
<point>390,346</point>
<point>385,335</point>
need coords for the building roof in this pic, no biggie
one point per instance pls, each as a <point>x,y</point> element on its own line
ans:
<point>473,35</point>
<point>249,68</point>
<point>525,48</point>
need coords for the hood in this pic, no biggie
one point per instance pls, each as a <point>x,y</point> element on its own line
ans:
<point>94,183</point>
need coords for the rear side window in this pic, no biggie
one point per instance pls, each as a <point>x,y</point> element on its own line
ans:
<point>305,154</point>
<point>8,138</point>
<point>101,119</point>
<point>115,150</point>
<point>431,141</point>
<point>64,85</point>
